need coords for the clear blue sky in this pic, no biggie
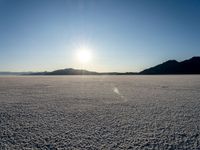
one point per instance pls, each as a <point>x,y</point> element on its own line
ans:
<point>123,35</point>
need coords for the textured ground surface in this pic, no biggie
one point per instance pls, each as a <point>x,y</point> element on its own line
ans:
<point>100,112</point>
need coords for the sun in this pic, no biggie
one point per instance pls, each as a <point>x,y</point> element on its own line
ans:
<point>84,55</point>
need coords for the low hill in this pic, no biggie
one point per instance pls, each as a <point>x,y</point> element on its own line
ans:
<point>68,71</point>
<point>72,71</point>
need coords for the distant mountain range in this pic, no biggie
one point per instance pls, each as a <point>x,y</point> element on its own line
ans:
<point>71,71</point>
<point>15,73</point>
<point>191,66</point>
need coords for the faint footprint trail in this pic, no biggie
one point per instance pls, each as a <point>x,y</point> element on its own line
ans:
<point>116,90</point>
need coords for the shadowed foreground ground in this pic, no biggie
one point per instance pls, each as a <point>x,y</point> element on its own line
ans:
<point>100,112</point>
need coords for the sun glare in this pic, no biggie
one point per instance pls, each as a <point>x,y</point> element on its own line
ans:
<point>84,55</point>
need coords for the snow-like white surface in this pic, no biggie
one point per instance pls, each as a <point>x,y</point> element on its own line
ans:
<point>100,112</point>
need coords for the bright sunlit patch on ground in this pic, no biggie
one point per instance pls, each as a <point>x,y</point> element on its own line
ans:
<point>84,55</point>
<point>115,90</point>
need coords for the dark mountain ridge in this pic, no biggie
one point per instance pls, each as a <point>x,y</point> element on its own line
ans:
<point>190,66</point>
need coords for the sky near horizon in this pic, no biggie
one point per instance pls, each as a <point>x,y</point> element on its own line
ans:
<point>122,35</point>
